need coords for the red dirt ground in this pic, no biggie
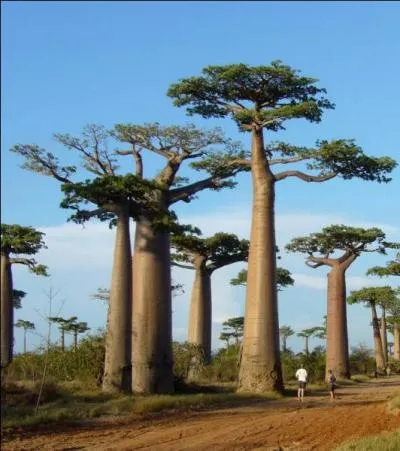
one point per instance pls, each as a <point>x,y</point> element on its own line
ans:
<point>317,424</point>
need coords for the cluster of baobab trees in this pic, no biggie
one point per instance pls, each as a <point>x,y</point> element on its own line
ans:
<point>260,100</point>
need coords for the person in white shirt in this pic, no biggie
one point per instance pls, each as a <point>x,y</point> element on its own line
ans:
<point>301,375</point>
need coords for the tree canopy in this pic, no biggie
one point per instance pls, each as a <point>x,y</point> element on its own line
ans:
<point>22,240</point>
<point>352,241</point>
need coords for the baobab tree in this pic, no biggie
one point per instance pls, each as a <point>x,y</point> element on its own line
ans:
<point>373,296</point>
<point>264,98</point>
<point>116,198</point>
<point>307,333</point>
<point>204,256</point>
<point>76,328</point>
<point>232,328</point>
<point>394,324</point>
<point>63,326</point>
<point>18,244</point>
<point>26,325</point>
<point>152,310</point>
<point>351,242</point>
<point>285,332</point>
<point>392,268</point>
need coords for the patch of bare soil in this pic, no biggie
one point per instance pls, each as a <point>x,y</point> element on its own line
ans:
<point>316,424</point>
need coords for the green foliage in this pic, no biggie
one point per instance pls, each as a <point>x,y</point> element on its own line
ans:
<point>314,363</point>
<point>187,357</point>
<point>224,366</point>
<point>343,157</point>
<point>392,268</point>
<point>283,278</point>
<point>18,295</point>
<point>16,239</point>
<point>353,240</point>
<point>266,95</point>
<point>26,325</point>
<point>85,363</point>
<point>232,328</point>
<point>219,250</point>
<point>362,360</point>
<point>382,442</point>
<point>384,296</point>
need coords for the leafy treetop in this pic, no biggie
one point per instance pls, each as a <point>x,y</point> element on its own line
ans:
<point>283,278</point>
<point>22,240</point>
<point>392,268</point>
<point>27,325</point>
<point>384,296</point>
<point>265,97</point>
<point>352,241</point>
<point>211,253</point>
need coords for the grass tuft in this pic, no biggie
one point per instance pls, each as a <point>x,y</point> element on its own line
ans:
<point>383,442</point>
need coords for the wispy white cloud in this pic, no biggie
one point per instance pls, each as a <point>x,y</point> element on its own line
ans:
<point>80,260</point>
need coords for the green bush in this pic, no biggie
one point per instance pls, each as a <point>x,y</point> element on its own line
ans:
<point>361,360</point>
<point>224,366</point>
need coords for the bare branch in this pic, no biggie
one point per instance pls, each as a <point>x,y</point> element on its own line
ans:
<point>316,262</point>
<point>286,160</point>
<point>305,177</point>
<point>179,265</point>
<point>186,192</point>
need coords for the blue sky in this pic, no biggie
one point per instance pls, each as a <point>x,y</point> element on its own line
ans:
<point>67,64</point>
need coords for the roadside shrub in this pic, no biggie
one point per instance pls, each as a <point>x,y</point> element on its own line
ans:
<point>361,360</point>
<point>224,365</point>
<point>188,361</point>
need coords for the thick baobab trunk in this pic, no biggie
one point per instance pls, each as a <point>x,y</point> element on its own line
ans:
<point>7,311</point>
<point>117,364</point>
<point>152,311</point>
<point>200,311</point>
<point>383,332</point>
<point>337,347</point>
<point>396,341</point>
<point>379,358</point>
<point>260,367</point>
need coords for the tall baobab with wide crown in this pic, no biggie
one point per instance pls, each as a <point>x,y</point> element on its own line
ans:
<point>262,98</point>
<point>320,248</point>
<point>18,245</point>
<point>152,310</point>
<point>204,256</point>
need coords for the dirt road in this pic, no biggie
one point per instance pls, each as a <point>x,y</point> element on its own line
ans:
<point>317,424</point>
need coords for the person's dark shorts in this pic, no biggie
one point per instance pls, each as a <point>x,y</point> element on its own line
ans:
<point>302,384</point>
<point>332,387</point>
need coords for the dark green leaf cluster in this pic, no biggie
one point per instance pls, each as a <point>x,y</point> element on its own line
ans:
<point>27,325</point>
<point>16,239</point>
<point>110,193</point>
<point>391,269</point>
<point>384,296</point>
<point>262,95</point>
<point>173,141</point>
<point>18,295</point>
<point>283,278</point>
<point>343,157</point>
<point>340,237</point>
<point>219,250</point>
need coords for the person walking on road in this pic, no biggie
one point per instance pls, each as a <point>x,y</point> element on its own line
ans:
<point>301,375</point>
<point>331,379</point>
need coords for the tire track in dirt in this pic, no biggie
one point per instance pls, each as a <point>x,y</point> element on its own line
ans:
<point>317,424</point>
